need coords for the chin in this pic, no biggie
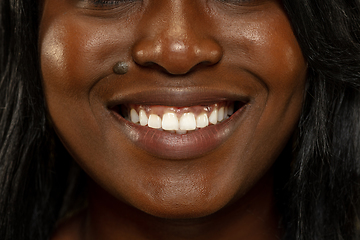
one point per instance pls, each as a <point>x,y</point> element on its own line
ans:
<point>183,200</point>
<point>181,212</point>
<point>187,207</point>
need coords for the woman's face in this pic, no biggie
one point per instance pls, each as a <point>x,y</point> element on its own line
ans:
<point>183,56</point>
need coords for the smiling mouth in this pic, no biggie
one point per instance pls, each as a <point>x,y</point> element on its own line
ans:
<point>180,120</point>
<point>178,124</point>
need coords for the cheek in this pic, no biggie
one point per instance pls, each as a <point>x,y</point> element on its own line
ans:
<point>77,52</point>
<point>70,59</point>
<point>270,52</point>
<point>278,63</point>
<point>284,77</point>
<point>267,48</point>
<point>75,55</point>
<point>70,67</point>
<point>285,67</point>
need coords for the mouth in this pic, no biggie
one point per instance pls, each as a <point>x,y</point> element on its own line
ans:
<point>179,120</point>
<point>178,125</point>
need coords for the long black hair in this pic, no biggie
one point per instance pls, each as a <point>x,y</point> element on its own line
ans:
<point>30,180</point>
<point>318,193</point>
<point>323,187</point>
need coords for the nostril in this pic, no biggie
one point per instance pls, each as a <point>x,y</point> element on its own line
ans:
<point>144,53</point>
<point>177,56</point>
<point>209,52</point>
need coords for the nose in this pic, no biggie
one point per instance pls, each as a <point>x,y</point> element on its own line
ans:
<point>175,38</point>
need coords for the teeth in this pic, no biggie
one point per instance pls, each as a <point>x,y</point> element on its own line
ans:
<point>173,123</point>
<point>154,121</point>
<point>187,122</point>
<point>134,117</point>
<point>213,116</point>
<point>202,120</point>
<point>226,116</point>
<point>230,110</point>
<point>143,118</point>
<point>221,114</point>
<point>170,121</point>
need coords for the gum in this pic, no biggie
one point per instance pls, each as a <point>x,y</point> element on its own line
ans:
<point>179,111</point>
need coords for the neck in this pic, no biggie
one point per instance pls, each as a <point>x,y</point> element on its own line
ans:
<point>252,217</point>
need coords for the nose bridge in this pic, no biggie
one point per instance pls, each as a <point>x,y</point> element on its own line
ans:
<point>174,39</point>
<point>176,25</point>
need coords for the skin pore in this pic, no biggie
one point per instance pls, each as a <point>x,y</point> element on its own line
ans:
<point>213,183</point>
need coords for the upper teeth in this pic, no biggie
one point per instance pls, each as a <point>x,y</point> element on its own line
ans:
<point>181,123</point>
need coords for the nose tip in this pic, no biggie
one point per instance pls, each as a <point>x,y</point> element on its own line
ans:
<point>177,56</point>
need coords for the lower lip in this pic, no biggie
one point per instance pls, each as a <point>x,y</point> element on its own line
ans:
<point>168,145</point>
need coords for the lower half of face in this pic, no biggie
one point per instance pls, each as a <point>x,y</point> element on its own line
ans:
<point>212,95</point>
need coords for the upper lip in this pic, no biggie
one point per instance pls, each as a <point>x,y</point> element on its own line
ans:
<point>177,97</point>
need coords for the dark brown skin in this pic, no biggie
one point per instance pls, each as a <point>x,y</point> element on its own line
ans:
<point>176,47</point>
